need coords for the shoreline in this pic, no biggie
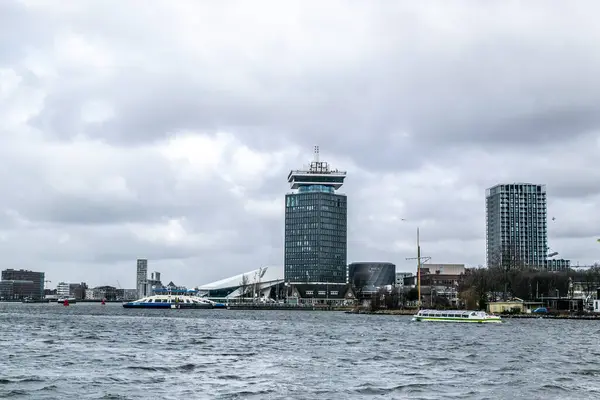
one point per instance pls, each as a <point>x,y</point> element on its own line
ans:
<point>405,312</point>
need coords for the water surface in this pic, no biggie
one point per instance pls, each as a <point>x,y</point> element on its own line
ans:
<point>89,351</point>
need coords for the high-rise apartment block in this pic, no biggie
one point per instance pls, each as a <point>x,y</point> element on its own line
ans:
<point>315,225</point>
<point>516,225</point>
<point>142,277</point>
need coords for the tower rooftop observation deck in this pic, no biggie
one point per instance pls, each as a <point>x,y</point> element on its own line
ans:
<point>318,173</point>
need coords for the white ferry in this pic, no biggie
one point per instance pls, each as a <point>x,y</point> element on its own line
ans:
<point>479,317</point>
<point>173,299</point>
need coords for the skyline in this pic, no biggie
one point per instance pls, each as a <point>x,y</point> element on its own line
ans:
<point>170,139</point>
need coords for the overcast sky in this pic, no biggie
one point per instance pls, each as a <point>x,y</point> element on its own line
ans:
<point>166,130</point>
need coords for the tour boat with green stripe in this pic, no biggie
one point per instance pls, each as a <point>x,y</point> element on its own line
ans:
<point>478,317</point>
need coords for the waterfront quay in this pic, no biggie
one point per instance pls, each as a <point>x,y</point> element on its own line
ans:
<point>586,317</point>
<point>271,306</point>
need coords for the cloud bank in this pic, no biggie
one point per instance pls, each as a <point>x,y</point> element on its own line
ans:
<point>167,132</point>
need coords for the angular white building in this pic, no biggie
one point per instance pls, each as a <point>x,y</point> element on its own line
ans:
<point>263,283</point>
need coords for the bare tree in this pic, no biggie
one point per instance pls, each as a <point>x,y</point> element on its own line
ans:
<point>590,281</point>
<point>244,283</point>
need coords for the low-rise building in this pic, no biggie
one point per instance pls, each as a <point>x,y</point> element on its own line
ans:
<point>499,307</point>
<point>400,278</point>
<point>557,264</point>
<point>441,281</point>
<point>105,292</point>
<point>130,294</point>
<point>17,290</point>
<point>368,278</point>
<point>25,275</point>
<point>71,290</point>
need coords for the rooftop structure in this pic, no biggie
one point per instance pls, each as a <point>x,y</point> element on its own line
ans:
<point>317,176</point>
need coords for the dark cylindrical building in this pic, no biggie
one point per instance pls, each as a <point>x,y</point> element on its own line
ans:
<point>368,277</point>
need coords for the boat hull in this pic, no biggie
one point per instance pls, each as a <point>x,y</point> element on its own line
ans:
<point>168,305</point>
<point>460,320</point>
<point>458,316</point>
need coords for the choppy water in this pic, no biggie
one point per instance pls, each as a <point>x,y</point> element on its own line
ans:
<point>87,351</point>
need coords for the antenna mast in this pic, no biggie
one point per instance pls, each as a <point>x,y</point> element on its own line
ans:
<point>420,261</point>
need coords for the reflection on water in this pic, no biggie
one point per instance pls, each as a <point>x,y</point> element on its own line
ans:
<point>89,351</point>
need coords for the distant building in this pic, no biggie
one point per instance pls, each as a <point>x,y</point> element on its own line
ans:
<point>557,264</point>
<point>74,290</point>
<point>315,226</point>
<point>63,290</point>
<point>441,281</point>
<point>37,278</point>
<point>141,277</point>
<point>516,225</point>
<point>368,277</point>
<point>17,290</point>
<point>130,294</point>
<point>263,284</point>
<point>109,293</point>
<point>445,269</point>
<point>153,282</point>
<point>401,276</point>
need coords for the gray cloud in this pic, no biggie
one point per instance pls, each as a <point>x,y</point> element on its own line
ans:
<point>424,106</point>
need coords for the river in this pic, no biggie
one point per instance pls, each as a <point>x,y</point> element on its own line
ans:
<point>90,351</point>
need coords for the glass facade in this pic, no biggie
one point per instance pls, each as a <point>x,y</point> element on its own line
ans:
<point>36,278</point>
<point>315,235</point>
<point>516,225</point>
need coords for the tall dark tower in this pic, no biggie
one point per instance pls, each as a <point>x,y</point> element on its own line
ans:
<point>315,226</point>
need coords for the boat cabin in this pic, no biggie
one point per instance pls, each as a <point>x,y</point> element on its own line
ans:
<point>449,314</point>
<point>174,300</point>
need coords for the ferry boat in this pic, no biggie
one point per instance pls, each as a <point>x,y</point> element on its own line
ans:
<point>177,299</point>
<point>70,300</point>
<point>479,317</point>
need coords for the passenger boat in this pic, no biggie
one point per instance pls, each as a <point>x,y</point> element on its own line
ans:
<point>479,317</point>
<point>176,299</point>
<point>70,300</point>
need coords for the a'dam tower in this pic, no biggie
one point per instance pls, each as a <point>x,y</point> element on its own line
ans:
<point>315,226</point>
